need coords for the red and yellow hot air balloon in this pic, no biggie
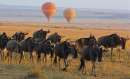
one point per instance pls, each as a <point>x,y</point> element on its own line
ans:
<point>69,14</point>
<point>49,9</point>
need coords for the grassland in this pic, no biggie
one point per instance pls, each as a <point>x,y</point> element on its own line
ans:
<point>104,70</point>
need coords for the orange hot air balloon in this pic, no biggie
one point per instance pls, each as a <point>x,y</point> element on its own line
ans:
<point>49,10</point>
<point>69,14</point>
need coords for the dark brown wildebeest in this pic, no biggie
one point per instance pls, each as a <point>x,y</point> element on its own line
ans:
<point>62,51</point>
<point>90,53</point>
<point>112,41</point>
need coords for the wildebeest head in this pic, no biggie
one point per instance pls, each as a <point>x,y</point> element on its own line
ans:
<point>92,40</point>
<point>123,42</point>
<point>54,38</point>
<point>66,44</point>
<point>3,40</point>
<point>19,36</point>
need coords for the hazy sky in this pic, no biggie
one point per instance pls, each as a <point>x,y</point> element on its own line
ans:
<point>99,4</point>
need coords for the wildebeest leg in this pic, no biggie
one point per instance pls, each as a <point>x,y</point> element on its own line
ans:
<point>51,57</point>
<point>59,63</point>
<point>1,54</point>
<point>93,68</point>
<point>51,54</point>
<point>10,57</point>
<point>7,56</point>
<point>21,57</point>
<point>84,69</point>
<point>119,51</point>
<point>69,63</point>
<point>45,58</point>
<point>65,63</point>
<point>38,57</point>
<point>111,53</point>
<point>31,57</point>
<point>51,60</point>
<point>55,60</point>
<point>82,65</point>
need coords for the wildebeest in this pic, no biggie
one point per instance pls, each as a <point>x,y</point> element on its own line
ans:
<point>40,35</point>
<point>90,53</point>
<point>62,51</point>
<point>27,45</point>
<point>19,36</point>
<point>112,41</point>
<point>12,46</point>
<point>3,42</point>
<point>54,38</point>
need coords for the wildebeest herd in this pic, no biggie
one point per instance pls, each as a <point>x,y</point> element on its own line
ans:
<point>87,49</point>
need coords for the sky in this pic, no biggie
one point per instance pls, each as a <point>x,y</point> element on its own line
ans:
<point>98,4</point>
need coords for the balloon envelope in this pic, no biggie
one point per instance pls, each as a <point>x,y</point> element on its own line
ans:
<point>49,9</point>
<point>69,14</point>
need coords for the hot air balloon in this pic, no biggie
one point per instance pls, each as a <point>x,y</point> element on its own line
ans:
<point>49,10</point>
<point>69,14</point>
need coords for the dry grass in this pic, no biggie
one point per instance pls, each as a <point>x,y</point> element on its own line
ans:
<point>105,70</point>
